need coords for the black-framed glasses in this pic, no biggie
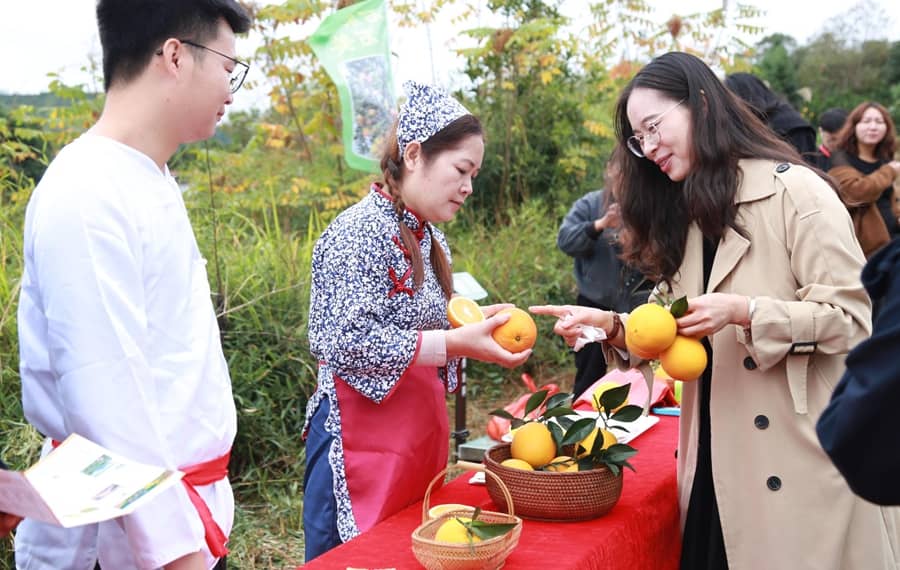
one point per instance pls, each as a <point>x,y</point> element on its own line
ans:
<point>238,74</point>
<point>635,143</point>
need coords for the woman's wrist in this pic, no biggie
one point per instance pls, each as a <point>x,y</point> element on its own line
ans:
<point>744,308</point>
<point>612,325</point>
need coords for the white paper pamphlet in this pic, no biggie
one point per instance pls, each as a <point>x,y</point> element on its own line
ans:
<point>80,483</point>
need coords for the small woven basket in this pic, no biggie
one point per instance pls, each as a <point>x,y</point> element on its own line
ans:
<point>487,554</point>
<point>549,495</point>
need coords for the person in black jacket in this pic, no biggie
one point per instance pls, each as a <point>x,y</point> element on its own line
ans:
<point>589,234</point>
<point>775,112</point>
<point>859,427</point>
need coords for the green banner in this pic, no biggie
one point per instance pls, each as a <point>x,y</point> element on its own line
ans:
<point>352,45</point>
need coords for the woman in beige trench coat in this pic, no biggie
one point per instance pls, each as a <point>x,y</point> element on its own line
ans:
<point>720,210</point>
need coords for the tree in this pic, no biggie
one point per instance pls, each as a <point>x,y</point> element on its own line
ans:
<point>776,66</point>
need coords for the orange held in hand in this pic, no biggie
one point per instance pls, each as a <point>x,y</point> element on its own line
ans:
<point>685,360</point>
<point>650,329</point>
<point>518,333</point>
<point>463,311</point>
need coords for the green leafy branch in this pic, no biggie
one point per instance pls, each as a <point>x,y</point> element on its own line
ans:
<point>569,433</point>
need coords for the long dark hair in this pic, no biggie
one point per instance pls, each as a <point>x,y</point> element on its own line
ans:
<point>848,142</point>
<point>656,211</point>
<point>448,138</point>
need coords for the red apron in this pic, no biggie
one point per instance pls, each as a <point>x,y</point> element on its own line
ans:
<point>392,450</point>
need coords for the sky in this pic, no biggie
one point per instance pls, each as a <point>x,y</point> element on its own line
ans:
<point>57,36</point>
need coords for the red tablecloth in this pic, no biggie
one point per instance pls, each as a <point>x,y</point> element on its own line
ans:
<point>641,532</point>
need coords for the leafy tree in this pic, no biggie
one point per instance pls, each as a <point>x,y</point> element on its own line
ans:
<point>777,68</point>
<point>839,74</point>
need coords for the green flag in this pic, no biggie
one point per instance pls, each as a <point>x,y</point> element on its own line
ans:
<point>352,45</point>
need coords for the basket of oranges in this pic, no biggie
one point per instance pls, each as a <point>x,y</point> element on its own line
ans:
<point>465,538</point>
<point>560,466</point>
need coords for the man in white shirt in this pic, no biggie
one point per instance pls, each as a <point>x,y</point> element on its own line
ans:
<point>118,337</point>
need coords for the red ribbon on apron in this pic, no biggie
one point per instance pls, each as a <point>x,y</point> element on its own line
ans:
<point>392,450</point>
<point>205,473</point>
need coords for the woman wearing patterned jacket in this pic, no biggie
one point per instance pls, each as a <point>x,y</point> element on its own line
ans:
<point>377,429</point>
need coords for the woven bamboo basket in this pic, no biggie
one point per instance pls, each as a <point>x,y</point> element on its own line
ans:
<point>548,495</point>
<point>487,554</point>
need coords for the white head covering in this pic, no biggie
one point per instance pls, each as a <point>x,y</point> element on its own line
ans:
<point>426,111</point>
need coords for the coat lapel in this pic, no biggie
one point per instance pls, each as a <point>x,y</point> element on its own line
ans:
<point>731,249</point>
<point>757,182</point>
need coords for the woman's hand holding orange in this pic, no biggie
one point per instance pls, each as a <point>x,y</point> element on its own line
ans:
<point>475,341</point>
<point>710,313</point>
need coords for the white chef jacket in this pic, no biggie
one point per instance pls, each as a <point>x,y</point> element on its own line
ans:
<point>119,342</point>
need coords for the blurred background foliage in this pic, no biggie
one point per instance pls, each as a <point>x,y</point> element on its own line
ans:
<point>261,191</point>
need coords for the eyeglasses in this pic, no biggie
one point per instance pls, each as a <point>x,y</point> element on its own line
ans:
<point>238,74</point>
<point>635,143</point>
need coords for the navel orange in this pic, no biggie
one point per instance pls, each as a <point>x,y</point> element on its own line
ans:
<point>518,333</point>
<point>650,329</point>
<point>685,360</point>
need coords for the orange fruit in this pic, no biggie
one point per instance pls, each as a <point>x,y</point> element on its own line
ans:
<point>518,333</point>
<point>463,311</point>
<point>562,464</point>
<point>455,532</point>
<point>517,464</point>
<point>587,443</point>
<point>650,329</point>
<point>685,360</point>
<point>533,443</point>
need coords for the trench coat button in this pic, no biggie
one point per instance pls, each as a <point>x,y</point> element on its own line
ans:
<point>749,364</point>
<point>773,483</point>
<point>782,167</point>
<point>761,421</point>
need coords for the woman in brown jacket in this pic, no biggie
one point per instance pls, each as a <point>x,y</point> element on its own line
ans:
<point>864,167</point>
<point>719,209</point>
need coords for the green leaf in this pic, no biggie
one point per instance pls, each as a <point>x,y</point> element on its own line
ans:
<point>579,430</point>
<point>613,468</point>
<point>597,446</point>
<point>619,453</point>
<point>614,397</point>
<point>628,414</point>
<point>679,307</point>
<point>535,401</point>
<point>502,413</point>
<point>628,465</point>
<point>565,422</point>
<point>557,434</point>
<point>486,530</point>
<point>558,399</point>
<point>586,463</point>
<point>516,423</point>
<point>556,412</point>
